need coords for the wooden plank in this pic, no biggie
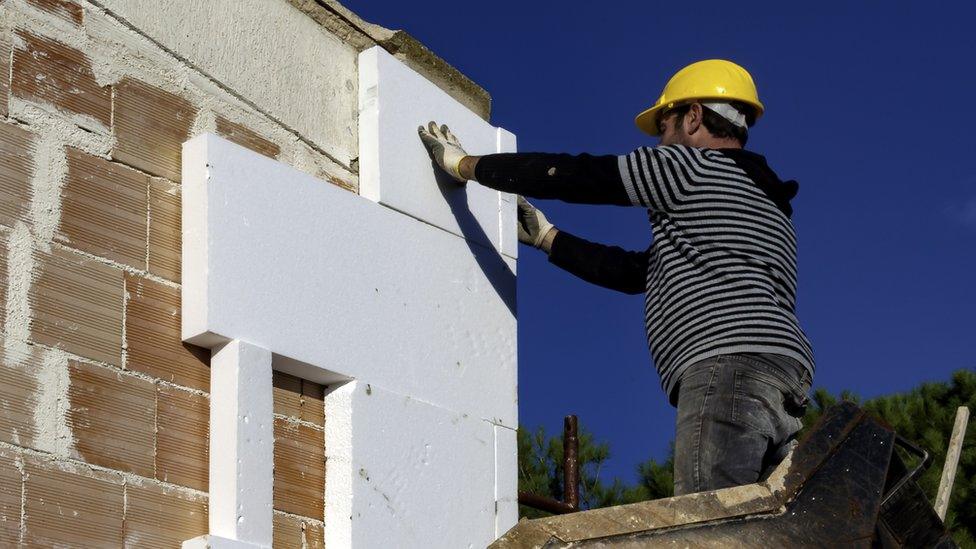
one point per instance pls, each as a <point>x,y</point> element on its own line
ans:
<point>951,462</point>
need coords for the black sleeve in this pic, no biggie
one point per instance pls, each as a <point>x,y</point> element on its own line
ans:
<point>582,179</point>
<point>607,266</point>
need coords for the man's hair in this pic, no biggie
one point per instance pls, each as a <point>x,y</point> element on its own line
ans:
<point>718,126</point>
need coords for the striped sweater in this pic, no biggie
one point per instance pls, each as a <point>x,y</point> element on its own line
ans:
<point>720,274</point>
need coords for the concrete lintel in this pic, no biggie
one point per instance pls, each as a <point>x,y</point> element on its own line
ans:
<point>764,498</point>
<point>363,35</point>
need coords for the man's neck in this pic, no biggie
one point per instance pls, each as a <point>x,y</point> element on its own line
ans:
<point>716,143</point>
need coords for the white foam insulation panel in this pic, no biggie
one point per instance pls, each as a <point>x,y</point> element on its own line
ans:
<point>393,102</point>
<point>337,288</point>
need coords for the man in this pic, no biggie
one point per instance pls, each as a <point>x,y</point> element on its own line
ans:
<point>719,278</point>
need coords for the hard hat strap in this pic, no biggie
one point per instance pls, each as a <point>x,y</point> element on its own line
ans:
<point>728,112</point>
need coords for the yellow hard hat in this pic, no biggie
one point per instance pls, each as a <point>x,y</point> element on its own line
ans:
<point>714,79</point>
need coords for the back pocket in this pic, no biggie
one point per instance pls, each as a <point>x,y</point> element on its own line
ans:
<point>756,398</point>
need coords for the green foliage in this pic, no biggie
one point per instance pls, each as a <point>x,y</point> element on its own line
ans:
<point>924,415</point>
<point>541,472</point>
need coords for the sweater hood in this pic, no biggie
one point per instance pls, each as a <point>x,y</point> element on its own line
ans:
<point>779,191</point>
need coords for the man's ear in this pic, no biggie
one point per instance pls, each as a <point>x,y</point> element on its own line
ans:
<point>693,119</point>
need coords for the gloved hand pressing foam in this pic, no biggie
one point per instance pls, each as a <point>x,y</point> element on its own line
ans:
<point>444,148</point>
<point>533,227</point>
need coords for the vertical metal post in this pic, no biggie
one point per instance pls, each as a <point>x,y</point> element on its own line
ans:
<point>571,476</point>
<point>571,462</point>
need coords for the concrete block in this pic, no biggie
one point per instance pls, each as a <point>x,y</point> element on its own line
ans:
<point>71,506</point>
<point>299,469</point>
<point>11,485</point>
<point>4,69</point>
<point>298,398</point>
<point>270,53</point>
<point>241,443</point>
<point>52,74</point>
<point>506,479</point>
<point>68,10</point>
<point>313,410</point>
<point>150,125</point>
<point>164,229</point>
<point>405,470</point>
<point>112,417</point>
<point>287,390</point>
<point>340,288</point>
<point>395,169</point>
<point>4,280</point>
<point>246,137</point>
<point>183,427</point>
<point>115,196</point>
<point>158,516</point>
<point>296,533</point>
<point>16,167</point>
<point>76,305</point>
<point>20,392</point>
<point>152,333</point>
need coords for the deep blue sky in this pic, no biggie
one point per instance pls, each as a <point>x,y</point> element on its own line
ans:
<point>870,107</point>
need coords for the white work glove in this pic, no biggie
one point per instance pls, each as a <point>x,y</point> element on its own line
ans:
<point>532,224</point>
<point>444,148</point>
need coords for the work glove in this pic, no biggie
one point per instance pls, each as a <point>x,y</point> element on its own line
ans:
<point>532,224</point>
<point>444,148</point>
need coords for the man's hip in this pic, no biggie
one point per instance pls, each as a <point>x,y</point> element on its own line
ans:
<point>738,416</point>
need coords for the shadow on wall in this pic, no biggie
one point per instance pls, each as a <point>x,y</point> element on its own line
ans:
<point>489,259</point>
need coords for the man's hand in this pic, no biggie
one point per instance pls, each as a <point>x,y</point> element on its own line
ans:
<point>444,148</point>
<point>533,227</point>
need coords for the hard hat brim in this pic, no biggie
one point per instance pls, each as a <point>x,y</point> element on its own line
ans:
<point>647,120</point>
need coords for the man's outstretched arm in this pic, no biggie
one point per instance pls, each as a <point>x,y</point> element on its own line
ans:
<point>582,178</point>
<point>607,266</point>
<point>663,178</point>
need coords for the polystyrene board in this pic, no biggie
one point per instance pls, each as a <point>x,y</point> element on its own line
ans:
<point>419,475</point>
<point>242,428</point>
<point>217,542</point>
<point>341,286</point>
<point>395,168</point>
<point>507,221</point>
<point>506,479</point>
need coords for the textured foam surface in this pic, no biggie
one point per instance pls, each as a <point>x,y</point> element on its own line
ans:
<point>395,169</point>
<point>337,286</point>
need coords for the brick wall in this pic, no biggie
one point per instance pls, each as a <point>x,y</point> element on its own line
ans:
<point>103,410</point>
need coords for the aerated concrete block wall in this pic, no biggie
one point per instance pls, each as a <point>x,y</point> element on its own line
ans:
<point>103,410</point>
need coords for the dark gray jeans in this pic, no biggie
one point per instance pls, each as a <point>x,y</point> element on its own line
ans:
<point>738,416</point>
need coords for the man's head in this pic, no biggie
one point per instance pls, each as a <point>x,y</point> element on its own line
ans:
<point>706,104</point>
<point>706,125</point>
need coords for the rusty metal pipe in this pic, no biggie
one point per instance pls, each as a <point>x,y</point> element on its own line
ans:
<point>571,475</point>
<point>545,504</point>
<point>571,480</point>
